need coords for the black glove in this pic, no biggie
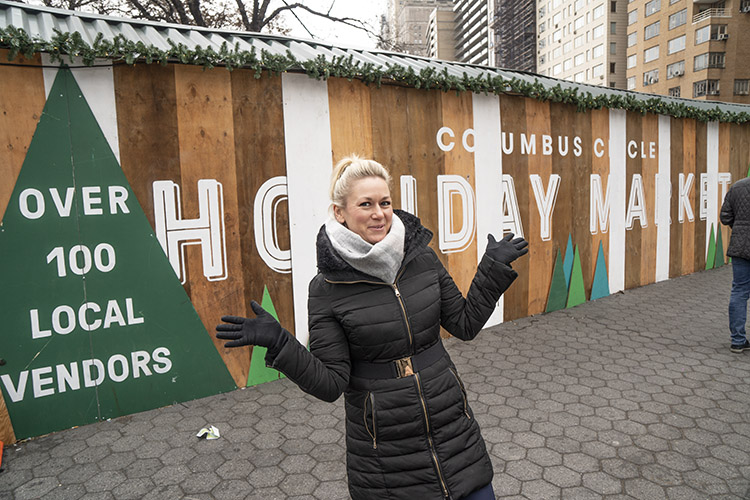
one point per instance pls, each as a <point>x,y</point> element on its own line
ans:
<point>264,330</point>
<point>506,250</point>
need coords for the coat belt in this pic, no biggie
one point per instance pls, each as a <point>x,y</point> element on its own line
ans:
<point>399,368</point>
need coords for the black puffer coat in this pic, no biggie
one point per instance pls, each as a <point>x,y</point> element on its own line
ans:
<point>735,213</point>
<point>414,437</point>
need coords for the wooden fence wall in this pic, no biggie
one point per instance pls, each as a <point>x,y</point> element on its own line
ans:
<point>243,163</point>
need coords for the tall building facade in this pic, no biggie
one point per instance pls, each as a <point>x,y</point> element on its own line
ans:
<point>440,29</point>
<point>583,40</point>
<point>695,49</point>
<point>408,22</point>
<point>514,29</point>
<point>474,39</point>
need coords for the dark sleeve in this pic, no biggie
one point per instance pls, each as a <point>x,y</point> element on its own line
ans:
<point>727,211</point>
<point>465,317</point>
<point>323,371</point>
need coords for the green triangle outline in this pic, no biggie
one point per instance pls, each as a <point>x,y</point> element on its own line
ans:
<point>259,373</point>
<point>568,260</point>
<point>558,289</point>
<point>577,290</point>
<point>600,286</point>
<point>719,250</point>
<point>68,149</point>
<point>711,253</point>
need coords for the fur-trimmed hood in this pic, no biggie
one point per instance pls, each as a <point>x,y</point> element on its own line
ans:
<point>333,266</point>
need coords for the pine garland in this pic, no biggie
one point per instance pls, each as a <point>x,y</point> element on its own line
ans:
<point>120,49</point>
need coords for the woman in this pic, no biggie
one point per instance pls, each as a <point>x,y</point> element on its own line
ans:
<point>375,311</point>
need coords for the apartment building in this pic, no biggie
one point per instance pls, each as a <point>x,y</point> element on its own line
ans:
<point>691,49</point>
<point>408,24</point>
<point>583,40</point>
<point>514,28</point>
<point>474,39</point>
<point>440,29</point>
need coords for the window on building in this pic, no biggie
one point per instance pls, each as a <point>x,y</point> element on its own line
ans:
<point>719,32</point>
<point>716,60</point>
<point>597,32</point>
<point>567,47</point>
<point>580,4</point>
<point>652,7</point>
<point>632,60</point>
<point>579,77</point>
<point>632,39</point>
<point>631,83</point>
<point>650,77</point>
<point>678,19</point>
<point>542,43</point>
<point>568,64</point>
<point>580,59</point>
<point>632,17</point>
<point>706,87</point>
<point>556,53</point>
<point>579,41</point>
<point>651,54</point>
<point>598,51</point>
<point>676,44</point>
<point>556,19</point>
<point>557,69</point>
<point>674,92</point>
<point>579,23</point>
<point>556,36</point>
<point>612,28</point>
<point>556,3</point>
<point>675,69</point>
<point>598,70</point>
<point>700,62</point>
<point>651,30</point>
<point>542,59</point>
<point>541,12</point>
<point>612,67</point>
<point>598,11</point>
<point>673,1</point>
<point>613,6</point>
<point>613,48</point>
<point>742,87</point>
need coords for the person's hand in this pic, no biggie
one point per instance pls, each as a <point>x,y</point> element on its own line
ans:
<point>264,330</point>
<point>506,250</point>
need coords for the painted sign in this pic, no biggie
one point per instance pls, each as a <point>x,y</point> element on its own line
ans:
<point>95,323</point>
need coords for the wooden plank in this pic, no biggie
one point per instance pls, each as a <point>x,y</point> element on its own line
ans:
<point>633,236</point>
<point>688,227</point>
<point>598,128</point>
<point>541,253</point>
<point>563,223</point>
<point>206,141</point>
<point>677,153</point>
<point>457,113</point>
<point>700,231</point>
<point>649,169</point>
<point>351,120</point>
<point>390,137</point>
<point>257,109</point>
<point>725,166</point>
<point>513,116</point>
<point>22,99</point>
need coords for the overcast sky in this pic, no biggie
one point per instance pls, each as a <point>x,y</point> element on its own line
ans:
<point>368,11</point>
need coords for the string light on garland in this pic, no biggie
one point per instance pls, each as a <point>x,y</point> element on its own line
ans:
<point>120,49</point>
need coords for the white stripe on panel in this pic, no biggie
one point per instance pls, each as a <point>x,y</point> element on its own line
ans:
<point>488,176</point>
<point>712,169</point>
<point>98,87</point>
<point>663,193</point>
<point>307,139</point>
<point>618,182</point>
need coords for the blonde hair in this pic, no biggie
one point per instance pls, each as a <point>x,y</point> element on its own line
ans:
<point>350,169</point>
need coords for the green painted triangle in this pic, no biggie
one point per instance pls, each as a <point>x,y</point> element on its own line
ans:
<point>95,323</point>
<point>568,261</point>
<point>600,287</point>
<point>558,289</point>
<point>577,290</point>
<point>748,170</point>
<point>711,257</point>
<point>259,372</point>
<point>719,250</point>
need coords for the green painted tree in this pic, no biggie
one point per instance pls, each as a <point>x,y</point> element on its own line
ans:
<point>711,253</point>
<point>600,287</point>
<point>558,290</point>
<point>719,250</point>
<point>568,260</point>
<point>95,322</point>
<point>577,290</point>
<point>259,372</point>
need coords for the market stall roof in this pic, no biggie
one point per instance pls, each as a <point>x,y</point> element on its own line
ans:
<point>45,25</point>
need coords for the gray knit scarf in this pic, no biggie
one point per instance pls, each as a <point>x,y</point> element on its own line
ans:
<point>382,260</point>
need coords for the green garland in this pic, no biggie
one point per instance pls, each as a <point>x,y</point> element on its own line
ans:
<point>18,42</point>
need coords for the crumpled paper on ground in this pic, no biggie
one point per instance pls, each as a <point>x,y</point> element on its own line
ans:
<point>209,432</point>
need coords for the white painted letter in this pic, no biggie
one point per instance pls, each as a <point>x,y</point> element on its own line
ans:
<point>450,186</point>
<point>409,194</point>
<point>440,133</point>
<point>545,202</point>
<point>598,205</point>
<point>636,203</point>
<point>685,208</point>
<point>272,193</point>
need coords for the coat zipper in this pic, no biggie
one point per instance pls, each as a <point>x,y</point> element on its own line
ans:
<point>374,434</point>
<point>463,392</point>
<point>429,438</point>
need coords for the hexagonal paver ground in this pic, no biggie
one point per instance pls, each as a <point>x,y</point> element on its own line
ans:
<point>633,396</point>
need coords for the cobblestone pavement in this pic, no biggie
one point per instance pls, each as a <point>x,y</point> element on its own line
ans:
<point>632,396</point>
